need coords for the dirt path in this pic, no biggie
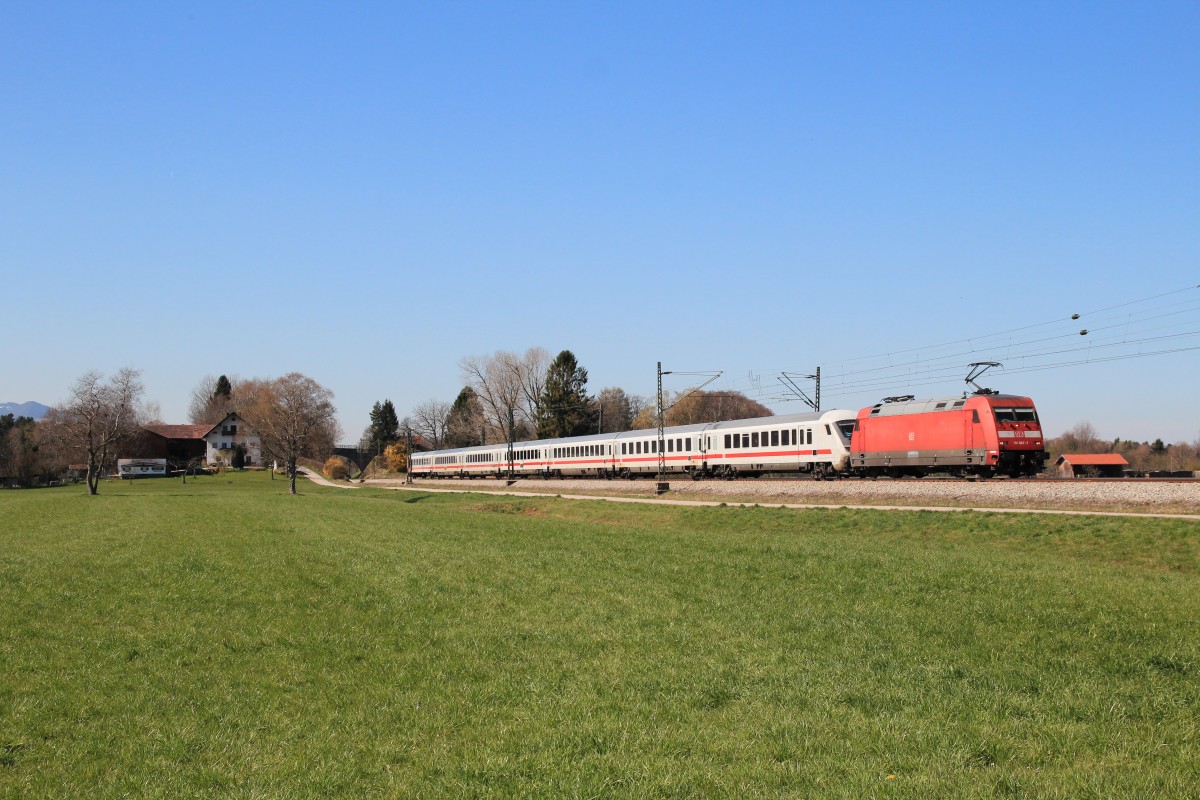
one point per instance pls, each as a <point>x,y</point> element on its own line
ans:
<point>321,480</point>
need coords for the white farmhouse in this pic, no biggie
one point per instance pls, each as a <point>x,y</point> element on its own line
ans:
<point>231,433</point>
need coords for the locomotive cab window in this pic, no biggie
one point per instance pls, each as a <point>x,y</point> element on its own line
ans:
<point>1005,414</point>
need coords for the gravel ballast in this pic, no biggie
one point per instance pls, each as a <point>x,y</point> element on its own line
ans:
<point>1133,495</point>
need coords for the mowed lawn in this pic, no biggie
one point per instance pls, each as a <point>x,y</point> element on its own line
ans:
<point>222,639</point>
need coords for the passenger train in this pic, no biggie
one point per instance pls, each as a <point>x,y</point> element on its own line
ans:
<point>816,443</point>
<point>984,434</point>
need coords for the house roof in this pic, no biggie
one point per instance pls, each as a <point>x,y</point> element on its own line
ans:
<point>179,431</point>
<point>1094,459</point>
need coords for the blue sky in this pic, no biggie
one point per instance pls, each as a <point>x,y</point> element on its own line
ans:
<point>367,193</point>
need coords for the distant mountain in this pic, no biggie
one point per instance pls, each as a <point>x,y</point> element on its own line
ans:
<point>29,409</point>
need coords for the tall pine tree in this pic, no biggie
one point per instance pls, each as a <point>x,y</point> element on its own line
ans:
<point>385,425</point>
<point>564,408</point>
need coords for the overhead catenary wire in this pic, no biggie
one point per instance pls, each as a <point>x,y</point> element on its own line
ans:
<point>1132,331</point>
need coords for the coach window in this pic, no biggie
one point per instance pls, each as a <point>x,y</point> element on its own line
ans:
<point>737,440</point>
<point>679,445</point>
<point>727,445</point>
<point>670,445</point>
<point>784,439</point>
<point>754,439</point>
<point>774,438</point>
<point>745,440</point>
<point>810,435</point>
<point>688,440</point>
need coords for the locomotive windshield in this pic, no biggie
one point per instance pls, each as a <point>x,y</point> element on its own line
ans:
<point>1015,414</point>
<point>846,427</point>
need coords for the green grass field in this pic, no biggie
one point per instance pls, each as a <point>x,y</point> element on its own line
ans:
<point>222,639</point>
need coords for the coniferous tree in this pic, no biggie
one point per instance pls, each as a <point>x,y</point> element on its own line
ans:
<point>465,423</point>
<point>385,425</point>
<point>565,408</point>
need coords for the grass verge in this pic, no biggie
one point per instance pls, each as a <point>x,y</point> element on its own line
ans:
<point>224,639</point>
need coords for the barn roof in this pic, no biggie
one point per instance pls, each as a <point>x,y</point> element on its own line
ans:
<point>1093,460</point>
<point>179,431</point>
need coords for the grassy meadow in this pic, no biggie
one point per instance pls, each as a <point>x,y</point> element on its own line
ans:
<point>222,639</point>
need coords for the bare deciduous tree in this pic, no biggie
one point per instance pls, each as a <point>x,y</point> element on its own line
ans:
<point>209,404</point>
<point>508,387</point>
<point>533,367</point>
<point>151,413</point>
<point>96,417</point>
<point>616,410</point>
<point>294,417</point>
<point>429,421</point>
<point>698,407</point>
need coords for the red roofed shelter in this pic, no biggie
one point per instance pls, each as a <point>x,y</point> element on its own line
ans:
<point>1091,465</point>
<point>177,443</point>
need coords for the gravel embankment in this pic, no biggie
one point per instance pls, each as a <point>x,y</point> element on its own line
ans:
<point>1132,495</point>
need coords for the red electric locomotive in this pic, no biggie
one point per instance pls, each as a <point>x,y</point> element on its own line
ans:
<point>981,434</point>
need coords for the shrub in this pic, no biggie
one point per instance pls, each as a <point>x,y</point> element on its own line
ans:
<point>397,457</point>
<point>336,468</point>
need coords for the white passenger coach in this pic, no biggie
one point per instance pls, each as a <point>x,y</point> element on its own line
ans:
<point>816,443</point>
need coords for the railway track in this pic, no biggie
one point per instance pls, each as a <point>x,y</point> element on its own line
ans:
<point>797,478</point>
